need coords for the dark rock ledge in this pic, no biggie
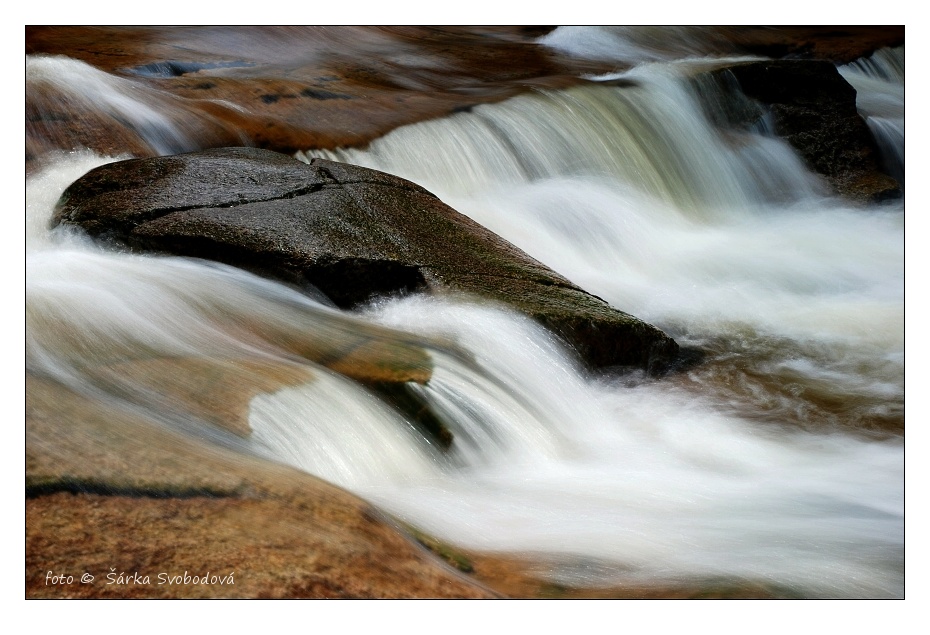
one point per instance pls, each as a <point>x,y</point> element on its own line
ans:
<point>813,108</point>
<point>351,232</point>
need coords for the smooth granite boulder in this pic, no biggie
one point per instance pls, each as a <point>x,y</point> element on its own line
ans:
<point>349,232</point>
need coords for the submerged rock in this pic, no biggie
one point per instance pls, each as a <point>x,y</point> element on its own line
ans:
<point>215,391</point>
<point>350,232</point>
<point>813,108</point>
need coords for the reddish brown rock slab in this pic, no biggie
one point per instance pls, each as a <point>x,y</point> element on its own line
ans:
<point>216,391</point>
<point>289,88</point>
<point>551,576</point>
<point>107,487</point>
<point>536,577</point>
<point>144,547</point>
<point>272,548</point>
<point>838,44</point>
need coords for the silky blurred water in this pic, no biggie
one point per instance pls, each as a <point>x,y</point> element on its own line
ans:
<point>778,460</point>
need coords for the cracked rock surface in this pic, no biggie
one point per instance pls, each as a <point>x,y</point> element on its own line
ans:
<point>350,232</point>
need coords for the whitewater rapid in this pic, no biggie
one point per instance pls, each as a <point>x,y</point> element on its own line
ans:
<point>779,460</point>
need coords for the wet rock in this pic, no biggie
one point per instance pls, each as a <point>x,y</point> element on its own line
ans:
<point>296,88</point>
<point>281,88</point>
<point>350,232</point>
<point>813,108</point>
<point>219,391</point>
<point>215,391</point>
<point>838,44</point>
<point>109,491</point>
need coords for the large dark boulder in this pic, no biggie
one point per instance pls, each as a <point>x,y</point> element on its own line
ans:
<point>814,109</point>
<point>350,232</point>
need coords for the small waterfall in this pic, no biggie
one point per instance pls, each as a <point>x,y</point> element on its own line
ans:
<point>879,82</point>
<point>885,64</point>
<point>648,134</point>
<point>72,85</point>
<point>335,429</point>
<point>728,243</point>
<point>639,476</point>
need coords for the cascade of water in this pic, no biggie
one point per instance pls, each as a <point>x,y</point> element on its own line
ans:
<point>629,482</point>
<point>732,246</point>
<point>884,64</point>
<point>702,237</point>
<point>648,135</point>
<point>879,82</point>
<point>744,468</point>
<point>78,86</point>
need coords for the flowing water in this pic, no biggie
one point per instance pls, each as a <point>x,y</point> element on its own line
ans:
<point>879,81</point>
<point>778,460</point>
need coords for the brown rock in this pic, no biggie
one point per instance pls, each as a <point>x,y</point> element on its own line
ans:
<point>299,88</point>
<point>214,391</point>
<point>282,88</point>
<point>109,491</point>
<point>838,44</point>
